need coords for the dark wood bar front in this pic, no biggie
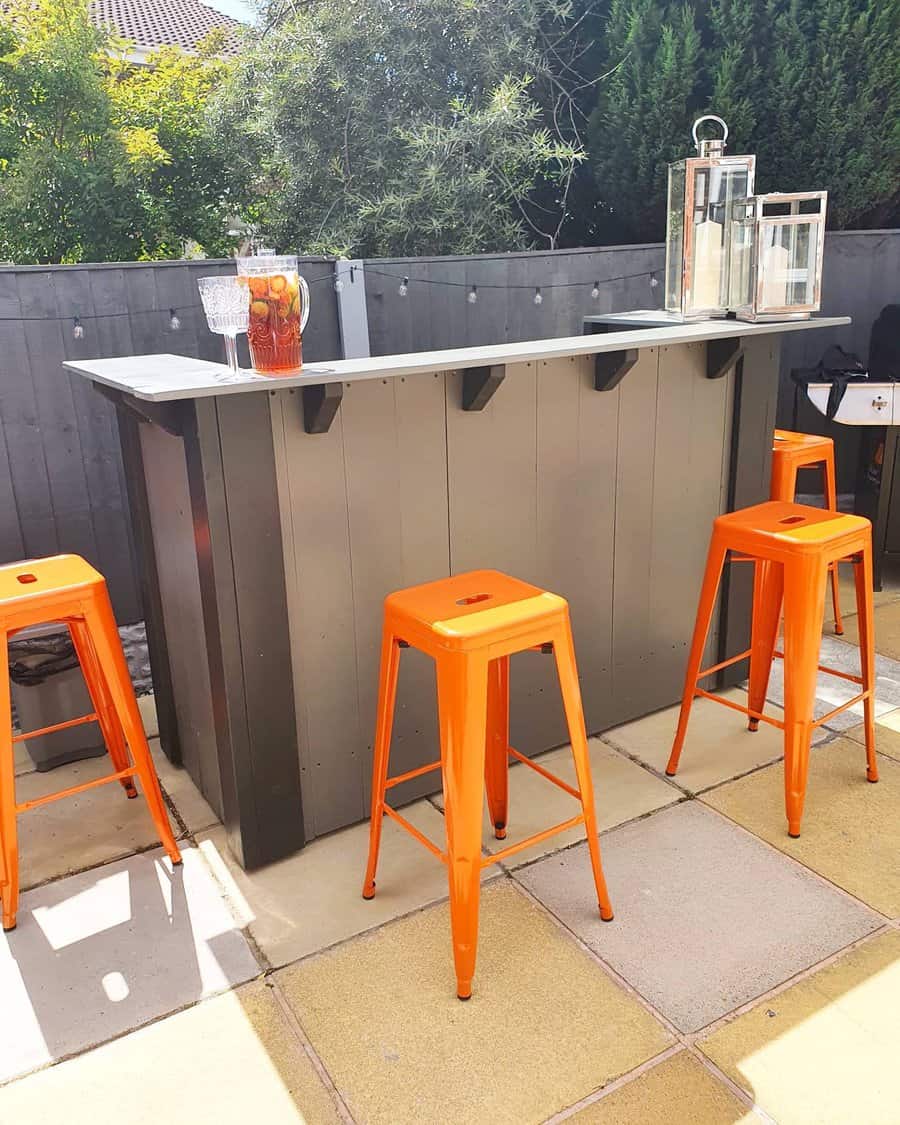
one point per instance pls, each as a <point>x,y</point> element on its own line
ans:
<point>273,515</point>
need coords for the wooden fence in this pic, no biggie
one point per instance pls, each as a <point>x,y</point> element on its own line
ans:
<point>61,478</point>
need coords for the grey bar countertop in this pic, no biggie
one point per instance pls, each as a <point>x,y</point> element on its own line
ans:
<point>163,378</point>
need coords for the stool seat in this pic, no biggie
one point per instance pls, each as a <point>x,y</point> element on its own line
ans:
<point>27,587</point>
<point>471,624</point>
<point>776,525</point>
<point>806,446</point>
<point>469,610</point>
<point>66,588</point>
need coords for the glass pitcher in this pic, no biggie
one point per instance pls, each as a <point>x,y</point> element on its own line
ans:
<point>279,310</point>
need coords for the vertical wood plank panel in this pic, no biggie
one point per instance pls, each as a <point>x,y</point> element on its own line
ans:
<point>330,736</point>
<point>632,623</point>
<point>576,502</point>
<point>395,454</point>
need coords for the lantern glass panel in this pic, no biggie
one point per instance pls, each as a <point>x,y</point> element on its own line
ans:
<point>675,237</point>
<point>788,254</point>
<point>720,194</point>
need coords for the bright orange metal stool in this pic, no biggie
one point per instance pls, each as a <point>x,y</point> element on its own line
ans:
<point>790,453</point>
<point>66,588</point>
<point>791,546</point>
<point>471,624</point>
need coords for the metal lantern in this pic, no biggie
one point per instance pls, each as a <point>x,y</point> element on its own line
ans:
<point>788,246</point>
<point>708,239</point>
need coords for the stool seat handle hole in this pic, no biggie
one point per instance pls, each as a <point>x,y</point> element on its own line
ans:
<point>26,578</point>
<point>473,599</point>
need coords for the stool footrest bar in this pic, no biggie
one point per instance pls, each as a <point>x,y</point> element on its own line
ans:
<point>843,707</point>
<point>414,832</point>
<point>92,718</point>
<point>545,773</point>
<point>536,839</point>
<point>724,664</point>
<point>74,789</point>
<point>401,777</point>
<point>737,707</point>
<point>829,671</point>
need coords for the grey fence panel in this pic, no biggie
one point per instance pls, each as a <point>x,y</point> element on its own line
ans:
<point>62,485</point>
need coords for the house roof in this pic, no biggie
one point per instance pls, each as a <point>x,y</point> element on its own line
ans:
<point>151,24</point>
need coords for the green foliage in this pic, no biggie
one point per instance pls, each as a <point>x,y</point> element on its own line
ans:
<point>396,126</point>
<point>102,161</point>
<point>811,86</point>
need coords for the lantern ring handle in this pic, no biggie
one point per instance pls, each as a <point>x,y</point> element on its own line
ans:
<point>708,117</point>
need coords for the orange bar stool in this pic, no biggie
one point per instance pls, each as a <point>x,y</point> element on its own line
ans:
<point>66,588</point>
<point>792,547</point>
<point>471,624</point>
<point>790,453</point>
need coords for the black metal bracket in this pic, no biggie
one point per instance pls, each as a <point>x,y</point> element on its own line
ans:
<point>169,416</point>
<point>479,384</point>
<point>610,368</point>
<point>722,355</point>
<point>320,404</point>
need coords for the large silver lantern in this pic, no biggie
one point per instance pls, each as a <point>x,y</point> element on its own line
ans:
<point>708,203</point>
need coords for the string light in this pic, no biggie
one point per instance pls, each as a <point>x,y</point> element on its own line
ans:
<point>538,296</point>
<point>77,329</point>
<point>404,287</point>
<point>174,321</point>
<point>339,285</point>
<point>472,296</point>
<point>654,281</point>
<point>595,292</point>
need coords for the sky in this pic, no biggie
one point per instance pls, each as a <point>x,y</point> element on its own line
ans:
<point>237,9</point>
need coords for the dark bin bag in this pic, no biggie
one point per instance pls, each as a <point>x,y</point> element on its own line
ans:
<point>837,367</point>
<point>33,659</point>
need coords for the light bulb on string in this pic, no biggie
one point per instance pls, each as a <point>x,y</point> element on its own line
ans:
<point>654,281</point>
<point>472,295</point>
<point>538,296</point>
<point>404,287</point>
<point>595,292</point>
<point>174,321</point>
<point>77,329</point>
<point>339,285</point>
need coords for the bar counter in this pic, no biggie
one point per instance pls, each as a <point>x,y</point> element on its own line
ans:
<point>272,516</point>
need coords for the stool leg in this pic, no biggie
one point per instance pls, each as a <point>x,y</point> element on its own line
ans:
<point>102,704</point>
<point>566,669</point>
<point>831,502</point>
<point>715,560</point>
<point>384,721</point>
<point>804,608</point>
<point>462,706</point>
<point>9,867</point>
<point>104,637</point>
<point>768,593</point>
<point>783,481</point>
<point>496,761</point>
<point>864,611</point>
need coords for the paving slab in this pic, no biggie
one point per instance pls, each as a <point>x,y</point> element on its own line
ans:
<point>707,918</point>
<point>195,812</point>
<point>887,734</point>
<point>824,1050</point>
<point>887,629</point>
<point>678,1091</point>
<point>718,745</point>
<point>623,791</point>
<point>314,898</point>
<point>227,1060</point>
<point>851,829</point>
<point>101,953</point>
<point>544,1028</point>
<point>78,832</point>
<point>831,691</point>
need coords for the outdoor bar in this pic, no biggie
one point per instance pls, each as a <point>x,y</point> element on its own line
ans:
<point>274,514</point>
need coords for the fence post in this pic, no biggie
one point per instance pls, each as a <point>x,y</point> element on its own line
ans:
<point>350,284</point>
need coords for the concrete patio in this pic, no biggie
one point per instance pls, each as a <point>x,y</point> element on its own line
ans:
<point>746,976</point>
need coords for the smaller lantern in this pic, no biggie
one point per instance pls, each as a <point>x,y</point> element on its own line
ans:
<point>788,245</point>
<point>708,240</point>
